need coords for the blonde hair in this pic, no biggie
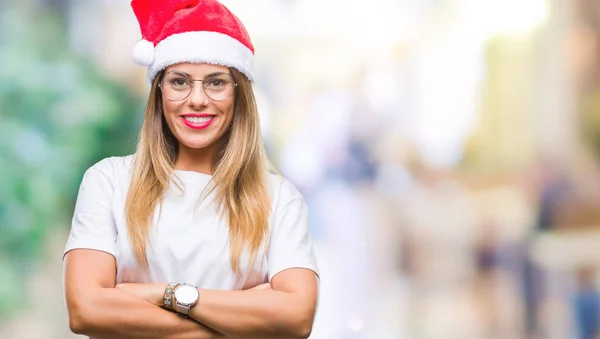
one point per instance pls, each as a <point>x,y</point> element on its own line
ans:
<point>238,181</point>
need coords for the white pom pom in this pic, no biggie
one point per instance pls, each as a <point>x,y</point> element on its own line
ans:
<point>143,53</point>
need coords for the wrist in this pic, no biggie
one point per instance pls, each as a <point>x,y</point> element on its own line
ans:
<point>160,292</point>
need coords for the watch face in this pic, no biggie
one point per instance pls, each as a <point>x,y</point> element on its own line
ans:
<point>186,294</point>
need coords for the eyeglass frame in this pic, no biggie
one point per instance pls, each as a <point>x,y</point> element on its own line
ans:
<point>192,87</point>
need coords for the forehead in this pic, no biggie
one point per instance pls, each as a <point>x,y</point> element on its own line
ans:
<point>197,70</point>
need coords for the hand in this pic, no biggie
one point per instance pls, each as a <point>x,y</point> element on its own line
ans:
<point>152,293</point>
<point>265,286</point>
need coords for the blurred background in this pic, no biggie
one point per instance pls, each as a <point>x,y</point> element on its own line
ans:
<point>448,150</point>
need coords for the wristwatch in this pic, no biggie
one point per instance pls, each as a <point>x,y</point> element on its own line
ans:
<point>185,296</point>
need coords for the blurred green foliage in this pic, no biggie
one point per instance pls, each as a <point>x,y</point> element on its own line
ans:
<point>58,115</point>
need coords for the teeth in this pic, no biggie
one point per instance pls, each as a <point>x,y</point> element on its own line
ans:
<point>196,120</point>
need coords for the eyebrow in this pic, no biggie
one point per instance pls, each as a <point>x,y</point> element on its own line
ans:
<point>206,76</point>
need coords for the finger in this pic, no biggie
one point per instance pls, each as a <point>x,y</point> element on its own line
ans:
<point>265,286</point>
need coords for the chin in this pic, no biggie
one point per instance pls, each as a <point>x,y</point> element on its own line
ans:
<point>197,143</point>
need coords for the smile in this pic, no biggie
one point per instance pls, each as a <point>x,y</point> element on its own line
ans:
<point>198,122</point>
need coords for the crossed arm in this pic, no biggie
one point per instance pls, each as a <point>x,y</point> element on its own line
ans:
<point>99,309</point>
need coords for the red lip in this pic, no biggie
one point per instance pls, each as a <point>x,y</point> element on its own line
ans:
<point>198,125</point>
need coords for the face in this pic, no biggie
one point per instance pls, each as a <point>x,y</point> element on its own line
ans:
<point>197,121</point>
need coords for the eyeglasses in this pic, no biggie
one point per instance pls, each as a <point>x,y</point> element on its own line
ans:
<point>177,86</point>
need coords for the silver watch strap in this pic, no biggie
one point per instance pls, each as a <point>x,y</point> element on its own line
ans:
<point>183,310</point>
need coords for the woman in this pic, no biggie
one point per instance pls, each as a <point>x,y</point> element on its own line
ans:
<point>191,237</point>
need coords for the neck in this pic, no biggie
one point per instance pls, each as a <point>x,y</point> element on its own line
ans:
<point>196,160</point>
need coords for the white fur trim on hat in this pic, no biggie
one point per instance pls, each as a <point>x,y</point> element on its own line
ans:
<point>143,53</point>
<point>199,47</point>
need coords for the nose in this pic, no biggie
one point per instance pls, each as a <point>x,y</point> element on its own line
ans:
<point>197,97</point>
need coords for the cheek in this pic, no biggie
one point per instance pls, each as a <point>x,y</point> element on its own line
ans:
<point>227,123</point>
<point>171,111</point>
<point>168,107</point>
<point>228,110</point>
<point>166,115</point>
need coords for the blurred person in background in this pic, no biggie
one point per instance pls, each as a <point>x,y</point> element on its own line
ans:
<point>554,188</point>
<point>586,305</point>
<point>191,236</point>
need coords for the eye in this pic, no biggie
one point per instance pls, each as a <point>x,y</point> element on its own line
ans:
<point>178,82</point>
<point>216,83</point>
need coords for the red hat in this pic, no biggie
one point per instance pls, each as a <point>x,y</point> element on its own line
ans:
<point>202,31</point>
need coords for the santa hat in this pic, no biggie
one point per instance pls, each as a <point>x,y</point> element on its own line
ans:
<point>202,31</point>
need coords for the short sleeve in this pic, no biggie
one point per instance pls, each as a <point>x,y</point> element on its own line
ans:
<point>291,245</point>
<point>93,225</point>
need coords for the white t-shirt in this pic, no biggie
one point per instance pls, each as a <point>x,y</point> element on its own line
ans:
<point>188,239</point>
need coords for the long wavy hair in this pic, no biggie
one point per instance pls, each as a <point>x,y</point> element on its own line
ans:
<point>238,178</point>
